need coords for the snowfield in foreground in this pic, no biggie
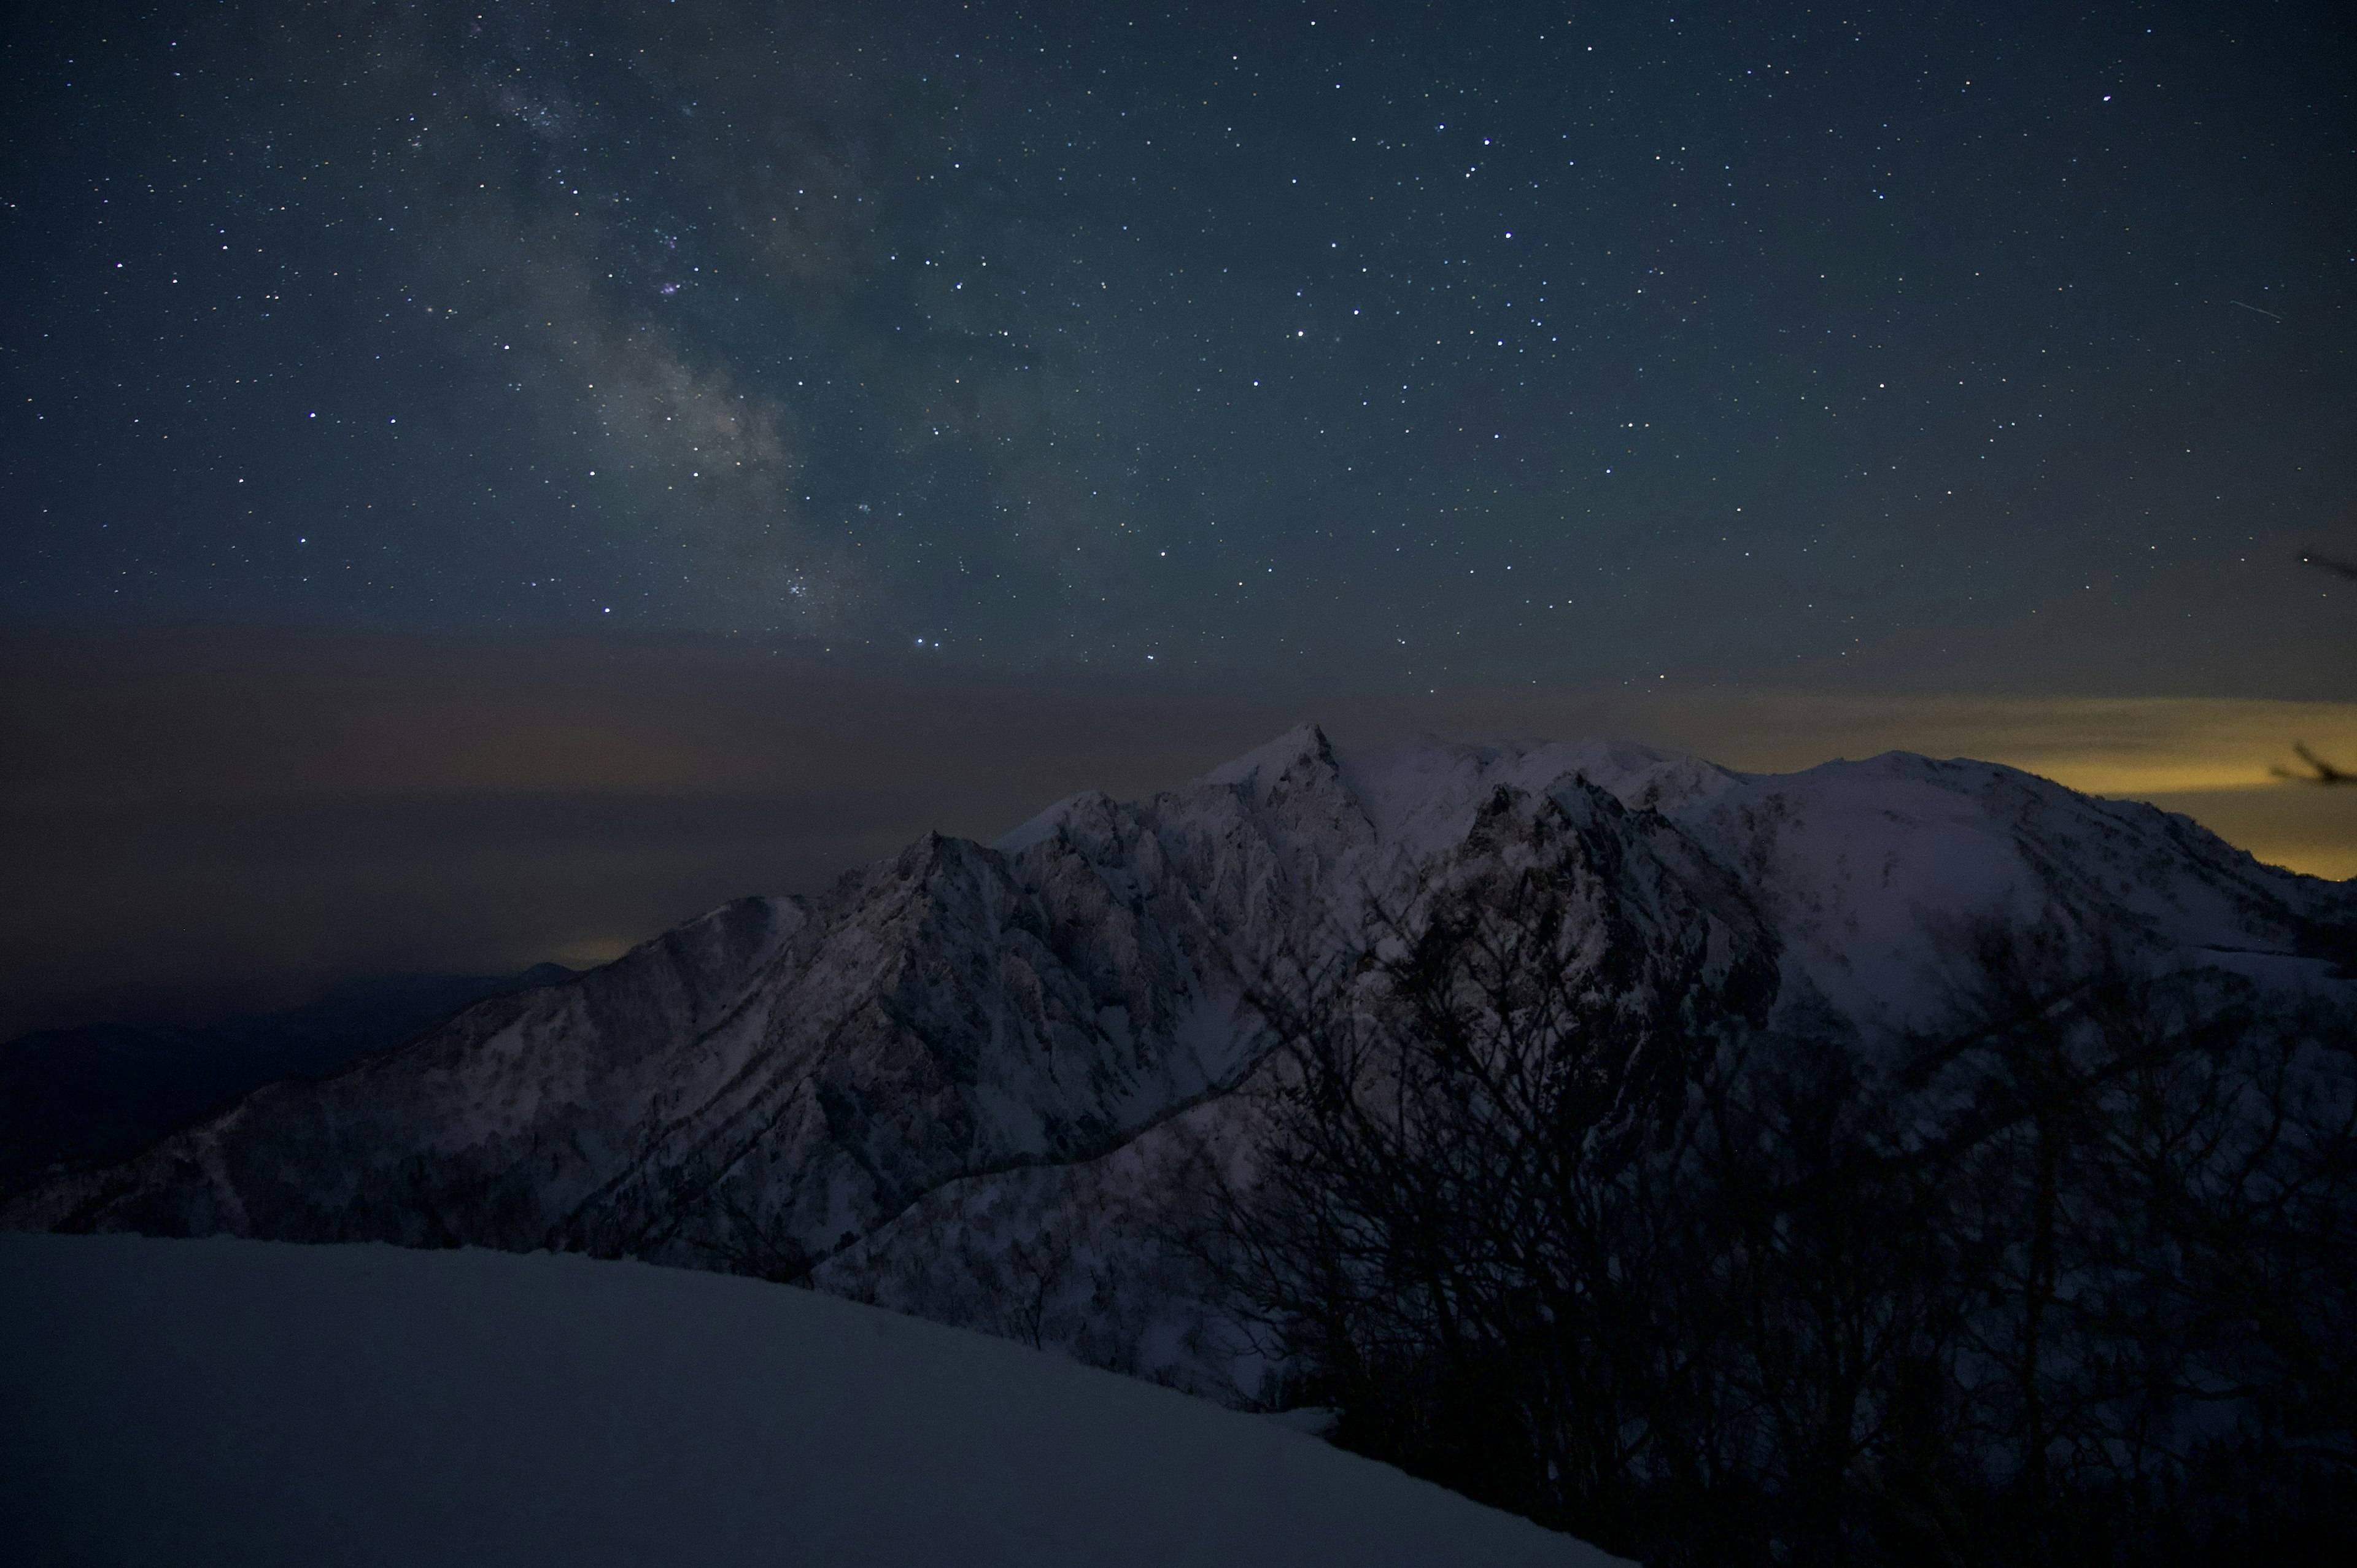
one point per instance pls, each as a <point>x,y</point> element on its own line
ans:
<point>224,1401</point>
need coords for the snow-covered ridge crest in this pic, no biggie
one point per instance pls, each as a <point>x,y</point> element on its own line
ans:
<point>1007,1043</point>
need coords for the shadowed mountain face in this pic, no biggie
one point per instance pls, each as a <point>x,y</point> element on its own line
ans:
<point>961,1078</point>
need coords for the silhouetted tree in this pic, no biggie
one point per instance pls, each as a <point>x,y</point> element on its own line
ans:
<point>2072,1279</point>
<point>2314,769</point>
<point>763,1247</point>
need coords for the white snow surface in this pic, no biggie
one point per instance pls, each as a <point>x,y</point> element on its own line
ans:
<point>1421,794</point>
<point>233,1402</point>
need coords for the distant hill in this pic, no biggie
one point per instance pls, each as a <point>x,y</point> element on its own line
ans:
<point>104,1091</point>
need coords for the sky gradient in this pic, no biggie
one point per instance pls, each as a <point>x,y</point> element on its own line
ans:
<point>1776,382</point>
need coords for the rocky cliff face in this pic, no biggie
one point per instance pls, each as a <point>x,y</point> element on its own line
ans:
<point>961,1082</point>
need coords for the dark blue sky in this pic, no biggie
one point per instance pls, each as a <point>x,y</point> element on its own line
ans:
<point>1403,346</point>
<point>480,483</point>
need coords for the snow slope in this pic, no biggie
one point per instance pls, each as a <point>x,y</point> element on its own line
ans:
<point>228,1401</point>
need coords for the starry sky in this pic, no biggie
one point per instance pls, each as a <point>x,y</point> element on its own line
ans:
<point>1307,358</point>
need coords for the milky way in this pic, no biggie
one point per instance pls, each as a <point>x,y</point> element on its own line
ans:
<point>1416,346</point>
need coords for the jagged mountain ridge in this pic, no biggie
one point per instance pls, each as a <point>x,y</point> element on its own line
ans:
<point>1014,1041</point>
<point>1873,876</point>
<point>792,1071</point>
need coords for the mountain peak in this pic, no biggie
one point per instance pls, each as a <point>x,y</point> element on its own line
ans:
<point>1304,744</point>
<point>958,1052</point>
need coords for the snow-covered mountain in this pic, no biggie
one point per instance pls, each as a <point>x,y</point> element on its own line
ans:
<point>958,1082</point>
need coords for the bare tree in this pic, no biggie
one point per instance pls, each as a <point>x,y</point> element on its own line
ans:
<point>2315,769</point>
<point>764,1247</point>
<point>2072,1279</point>
<point>1036,1269</point>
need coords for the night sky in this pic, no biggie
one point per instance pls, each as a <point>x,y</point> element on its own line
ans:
<point>1302,356</point>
